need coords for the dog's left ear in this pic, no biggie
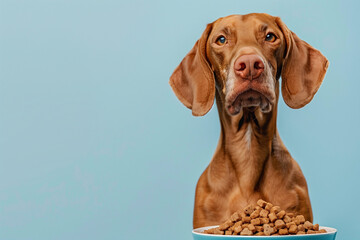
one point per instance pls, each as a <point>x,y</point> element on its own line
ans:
<point>303,69</point>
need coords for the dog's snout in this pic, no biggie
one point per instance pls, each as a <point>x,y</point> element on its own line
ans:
<point>249,66</point>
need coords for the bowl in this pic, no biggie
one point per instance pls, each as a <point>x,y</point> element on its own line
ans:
<point>199,235</point>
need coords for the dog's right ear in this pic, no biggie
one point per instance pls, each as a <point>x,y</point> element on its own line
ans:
<point>193,80</point>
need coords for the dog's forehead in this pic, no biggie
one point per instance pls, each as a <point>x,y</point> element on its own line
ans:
<point>247,21</point>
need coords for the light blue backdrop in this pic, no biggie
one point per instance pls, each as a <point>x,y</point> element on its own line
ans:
<point>94,144</point>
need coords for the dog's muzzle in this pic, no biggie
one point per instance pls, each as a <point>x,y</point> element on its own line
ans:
<point>250,85</point>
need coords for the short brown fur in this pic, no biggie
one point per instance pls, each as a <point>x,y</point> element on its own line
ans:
<point>250,161</point>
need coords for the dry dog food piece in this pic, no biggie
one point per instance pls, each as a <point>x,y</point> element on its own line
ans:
<point>259,228</point>
<point>275,209</point>
<point>237,229</point>
<point>301,228</point>
<point>209,231</point>
<point>218,231</point>
<point>251,228</point>
<point>235,217</point>
<point>283,231</point>
<point>261,203</point>
<point>316,227</point>
<point>242,214</point>
<point>311,232</point>
<point>281,214</point>
<point>255,221</point>
<point>226,225</point>
<point>268,206</point>
<point>237,224</point>
<point>264,213</point>
<point>289,224</point>
<point>287,219</point>
<point>246,232</point>
<point>265,219</point>
<point>249,209</point>
<point>299,219</point>
<point>293,229</point>
<point>308,225</point>
<point>246,219</point>
<point>272,217</point>
<point>268,230</point>
<point>279,224</point>
<point>256,213</point>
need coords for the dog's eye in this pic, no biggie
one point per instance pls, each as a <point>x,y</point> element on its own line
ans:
<point>221,40</point>
<point>270,37</point>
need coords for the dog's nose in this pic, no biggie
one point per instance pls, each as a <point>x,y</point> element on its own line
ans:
<point>249,66</point>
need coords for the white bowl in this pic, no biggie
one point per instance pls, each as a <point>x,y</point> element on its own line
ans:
<point>330,235</point>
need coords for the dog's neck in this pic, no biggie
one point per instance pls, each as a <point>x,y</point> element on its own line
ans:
<point>246,143</point>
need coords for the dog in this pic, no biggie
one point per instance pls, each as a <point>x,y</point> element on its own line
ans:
<point>238,61</point>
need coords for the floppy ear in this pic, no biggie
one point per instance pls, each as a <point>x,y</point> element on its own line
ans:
<point>303,70</point>
<point>193,80</point>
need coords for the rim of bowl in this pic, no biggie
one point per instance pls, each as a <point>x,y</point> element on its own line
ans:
<point>199,231</point>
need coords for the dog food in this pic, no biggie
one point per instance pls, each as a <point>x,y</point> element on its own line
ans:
<point>265,219</point>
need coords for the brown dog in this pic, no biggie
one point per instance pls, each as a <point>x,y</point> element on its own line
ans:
<point>238,60</point>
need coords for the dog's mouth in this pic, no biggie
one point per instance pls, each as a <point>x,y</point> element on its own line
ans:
<point>250,99</point>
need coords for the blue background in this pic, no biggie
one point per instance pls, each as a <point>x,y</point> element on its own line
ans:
<point>94,144</point>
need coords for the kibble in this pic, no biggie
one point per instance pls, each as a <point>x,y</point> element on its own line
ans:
<point>255,221</point>
<point>259,228</point>
<point>283,231</point>
<point>268,230</point>
<point>308,225</point>
<point>272,217</point>
<point>256,213</point>
<point>261,203</point>
<point>251,228</point>
<point>268,206</point>
<point>288,225</point>
<point>311,231</point>
<point>246,232</point>
<point>301,228</point>
<point>249,209</point>
<point>264,213</point>
<point>293,229</point>
<point>281,214</point>
<point>237,229</point>
<point>235,217</point>
<point>316,227</point>
<point>246,219</point>
<point>226,225</point>
<point>287,219</point>
<point>265,219</point>
<point>299,219</point>
<point>275,209</point>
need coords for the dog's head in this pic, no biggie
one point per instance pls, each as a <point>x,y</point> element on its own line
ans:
<point>243,56</point>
